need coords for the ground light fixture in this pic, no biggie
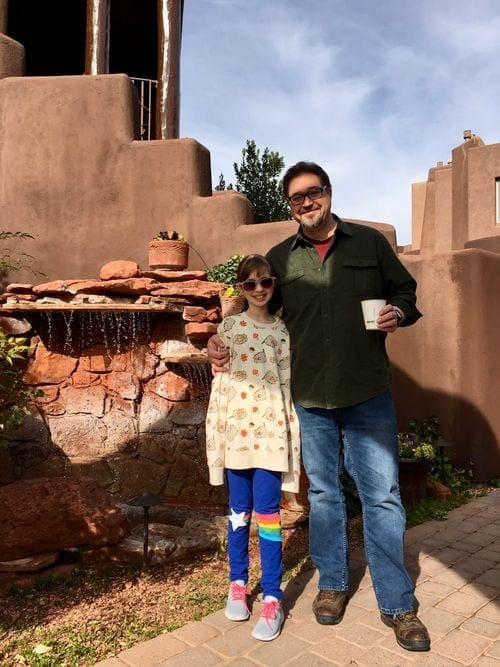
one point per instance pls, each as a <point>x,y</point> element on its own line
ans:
<point>146,500</point>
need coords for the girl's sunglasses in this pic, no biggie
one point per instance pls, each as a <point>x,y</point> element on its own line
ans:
<point>251,285</point>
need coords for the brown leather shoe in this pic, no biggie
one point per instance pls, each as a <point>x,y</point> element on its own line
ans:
<point>410,633</point>
<point>329,606</point>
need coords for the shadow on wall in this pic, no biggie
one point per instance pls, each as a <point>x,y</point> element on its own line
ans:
<point>170,462</point>
<point>117,410</point>
<point>457,417</point>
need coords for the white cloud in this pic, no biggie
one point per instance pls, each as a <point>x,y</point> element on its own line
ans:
<point>376,92</point>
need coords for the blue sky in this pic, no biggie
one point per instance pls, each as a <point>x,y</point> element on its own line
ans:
<point>376,91</point>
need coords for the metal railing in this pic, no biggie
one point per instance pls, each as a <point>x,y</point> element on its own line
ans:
<point>147,97</point>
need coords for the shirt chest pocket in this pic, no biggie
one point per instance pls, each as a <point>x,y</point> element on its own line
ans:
<point>363,276</point>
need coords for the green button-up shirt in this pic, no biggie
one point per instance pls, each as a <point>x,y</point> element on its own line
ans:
<point>336,362</point>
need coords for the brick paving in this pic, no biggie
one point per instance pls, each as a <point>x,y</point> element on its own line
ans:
<point>456,568</point>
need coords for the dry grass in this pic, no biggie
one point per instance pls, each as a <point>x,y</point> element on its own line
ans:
<point>96,613</point>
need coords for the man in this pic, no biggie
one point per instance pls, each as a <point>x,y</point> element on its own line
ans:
<point>341,390</point>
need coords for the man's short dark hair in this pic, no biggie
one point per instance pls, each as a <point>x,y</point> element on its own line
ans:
<point>305,168</point>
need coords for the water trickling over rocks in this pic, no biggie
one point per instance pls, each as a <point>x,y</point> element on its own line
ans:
<point>122,365</point>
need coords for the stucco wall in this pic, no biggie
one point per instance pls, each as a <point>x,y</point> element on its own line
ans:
<point>482,169</point>
<point>456,206</point>
<point>418,192</point>
<point>446,363</point>
<point>72,174</point>
<point>437,221</point>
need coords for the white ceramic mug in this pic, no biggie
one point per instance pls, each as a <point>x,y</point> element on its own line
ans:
<point>371,309</point>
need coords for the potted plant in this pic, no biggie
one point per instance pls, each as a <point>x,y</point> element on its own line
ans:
<point>232,301</point>
<point>168,250</point>
<point>417,449</point>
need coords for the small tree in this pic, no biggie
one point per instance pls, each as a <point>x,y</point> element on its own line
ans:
<point>258,178</point>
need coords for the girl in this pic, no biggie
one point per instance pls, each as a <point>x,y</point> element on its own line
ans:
<point>253,435</point>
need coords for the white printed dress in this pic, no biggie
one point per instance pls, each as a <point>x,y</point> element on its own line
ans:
<point>251,422</point>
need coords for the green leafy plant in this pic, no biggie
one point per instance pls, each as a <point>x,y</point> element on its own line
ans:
<point>458,480</point>
<point>423,442</point>
<point>432,509</point>
<point>420,442</point>
<point>15,395</point>
<point>226,273</point>
<point>169,236</point>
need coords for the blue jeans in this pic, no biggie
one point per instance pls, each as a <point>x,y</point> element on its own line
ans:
<point>363,439</point>
<point>259,490</point>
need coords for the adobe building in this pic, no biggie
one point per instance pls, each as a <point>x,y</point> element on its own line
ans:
<point>79,172</point>
<point>448,364</point>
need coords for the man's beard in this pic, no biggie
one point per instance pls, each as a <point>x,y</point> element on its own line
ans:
<point>306,223</point>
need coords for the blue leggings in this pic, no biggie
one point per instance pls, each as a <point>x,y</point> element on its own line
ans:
<point>258,490</point>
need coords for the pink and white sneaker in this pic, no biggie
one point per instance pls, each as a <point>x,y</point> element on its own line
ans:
<point>270,621</point>
<point>236,605</point>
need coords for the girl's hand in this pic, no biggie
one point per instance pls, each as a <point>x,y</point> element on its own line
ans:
<point>217,354</point>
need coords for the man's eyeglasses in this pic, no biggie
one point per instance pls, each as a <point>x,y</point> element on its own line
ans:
<point>250,285</point>
<point>313,193</point>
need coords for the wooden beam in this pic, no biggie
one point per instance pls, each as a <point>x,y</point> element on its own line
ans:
<point>4,13</point>
<point>169,14</point>
<point>97,37</point>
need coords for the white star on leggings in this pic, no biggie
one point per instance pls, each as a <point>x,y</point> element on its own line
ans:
<point>237,519</point>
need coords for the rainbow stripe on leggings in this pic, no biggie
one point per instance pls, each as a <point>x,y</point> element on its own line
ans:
<point>269,526</point>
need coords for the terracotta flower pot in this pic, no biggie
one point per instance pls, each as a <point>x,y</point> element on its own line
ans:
<point>168,254</point>
<point>412,480</point>
<point>231,305</point>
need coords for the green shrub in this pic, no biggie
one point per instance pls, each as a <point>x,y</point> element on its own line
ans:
<point>423,441</point>
<point>14,393</point>
<point>420,442</point>
<point>226,273</point>
<point>443,470</point>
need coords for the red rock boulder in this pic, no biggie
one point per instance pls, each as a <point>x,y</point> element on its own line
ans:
<point>41,515</point>
<point>119,268</point>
